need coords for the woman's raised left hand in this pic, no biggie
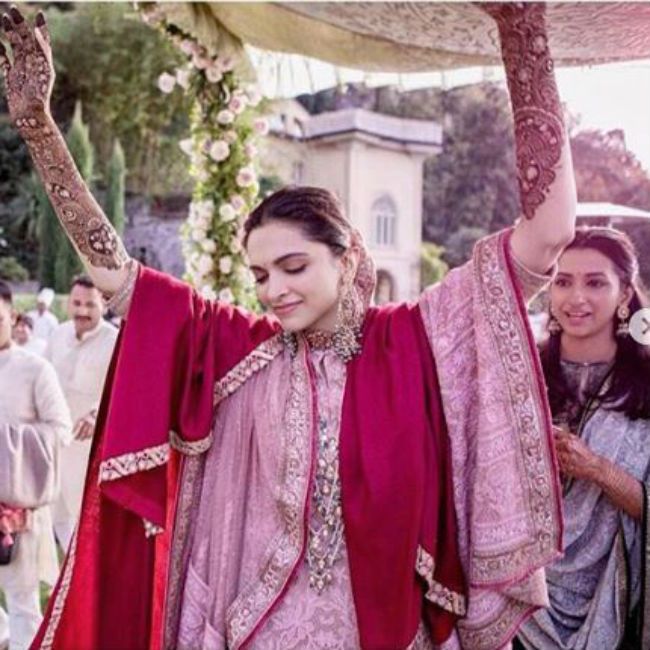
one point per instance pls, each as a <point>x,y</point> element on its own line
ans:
<point>30,76</point>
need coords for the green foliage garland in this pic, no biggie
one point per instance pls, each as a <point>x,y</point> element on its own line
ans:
<point>224,125</point>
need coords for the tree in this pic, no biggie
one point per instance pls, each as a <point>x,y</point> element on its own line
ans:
<point>17,214</point>
<point>115,188</point>
<point>49,236</point>
<point>470,187</point>
<point>432,267</point>
<point>110,60</point>
<point>607,171</point>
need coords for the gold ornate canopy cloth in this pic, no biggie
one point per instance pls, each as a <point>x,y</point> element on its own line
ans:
<point>413,36</point>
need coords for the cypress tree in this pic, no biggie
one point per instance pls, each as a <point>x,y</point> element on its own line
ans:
<point>67,263</point>
<point>49,232</point>
<point>115,189</point>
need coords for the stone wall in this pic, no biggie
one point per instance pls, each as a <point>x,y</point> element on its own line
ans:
<point>151,233</point>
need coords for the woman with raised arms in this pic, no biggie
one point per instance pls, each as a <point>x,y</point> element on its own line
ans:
<point>333,474</point>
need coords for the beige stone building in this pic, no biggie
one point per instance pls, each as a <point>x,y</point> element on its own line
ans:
<point>374,164</point>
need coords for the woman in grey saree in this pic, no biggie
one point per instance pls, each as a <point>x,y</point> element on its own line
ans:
<point>597,377</point>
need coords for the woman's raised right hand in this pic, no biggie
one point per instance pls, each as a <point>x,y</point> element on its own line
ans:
<point>30,76</point>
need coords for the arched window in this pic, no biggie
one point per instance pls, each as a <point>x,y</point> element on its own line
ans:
<point>384,221</point>
<point>385,288</point>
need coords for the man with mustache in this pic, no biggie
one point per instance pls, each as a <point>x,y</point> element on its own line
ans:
<point>80,350</point>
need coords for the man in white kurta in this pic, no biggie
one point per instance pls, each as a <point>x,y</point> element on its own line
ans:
<point>34,421</point>
<point>80,350</point>
<point>45,322</point>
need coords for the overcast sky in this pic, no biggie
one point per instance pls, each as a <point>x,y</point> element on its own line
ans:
<point>615,96</point>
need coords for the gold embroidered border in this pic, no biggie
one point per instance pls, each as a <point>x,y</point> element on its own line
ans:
<point>498,633</point>
<point>259,358</point>
<point>190,484</point>
<point>151,529</point>
<point>133,462</point>
<point>438,594</point>
<point>193,448</point>
<point>500,308</point>
<point>282,555</point>
<point>61,595</point>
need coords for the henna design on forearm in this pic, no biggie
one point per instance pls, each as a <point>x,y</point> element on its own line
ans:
<point>622,489</point>
<point>28,83</point>
<point>537,111</point>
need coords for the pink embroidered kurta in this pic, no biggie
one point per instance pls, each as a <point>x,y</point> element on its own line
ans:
<point>305,619</point>
<point>232,524</point>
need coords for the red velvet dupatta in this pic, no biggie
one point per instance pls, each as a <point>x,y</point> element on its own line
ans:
<point>401,492</point>
<point>172,349</point>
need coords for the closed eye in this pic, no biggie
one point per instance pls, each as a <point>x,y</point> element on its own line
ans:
<point>298,269</point>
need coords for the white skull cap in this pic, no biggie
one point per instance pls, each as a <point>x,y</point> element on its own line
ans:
<point>46,296</point>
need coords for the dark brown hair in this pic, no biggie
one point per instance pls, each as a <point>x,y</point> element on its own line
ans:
<point>316,211</point>
<point>630,387</point>
<point>82,280</point>
<point>24,318</point>
<point>5,292</point>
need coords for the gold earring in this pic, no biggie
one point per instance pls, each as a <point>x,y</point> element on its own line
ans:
<point>623,314</point>
<point>347,330</point>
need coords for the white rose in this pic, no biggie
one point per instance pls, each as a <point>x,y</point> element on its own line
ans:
<point>202,175</point>
<point>213,74</point>
<point>186,146</point>
<point>237,104</point>
<point>188,47</point>
<point>205,208</point>
<point>237,202</point>
<point>183,78</point>
<point>227,212</point>
<point>208,292</point>
<point>205,264</point>
<point>199,61</point>
<point>225,116</point>
<point>209,246</point>
<point>230,136</point>
<point>246,177</point>
<point>166,82</point>
<point>198,234</point>
<point>226,295</point>
<point>219,150</point>
<point>261,125</point>
<point>225,264</point>
<point>250,150</point>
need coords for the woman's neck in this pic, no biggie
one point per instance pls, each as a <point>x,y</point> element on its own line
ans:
<point>592,349</point>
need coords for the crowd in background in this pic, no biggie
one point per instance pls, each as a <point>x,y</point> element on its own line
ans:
<point>51,380</point>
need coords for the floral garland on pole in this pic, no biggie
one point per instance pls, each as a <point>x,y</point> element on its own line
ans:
<point>225,123</point>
